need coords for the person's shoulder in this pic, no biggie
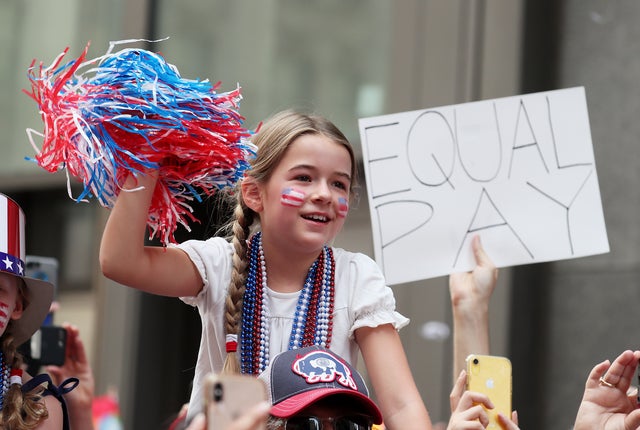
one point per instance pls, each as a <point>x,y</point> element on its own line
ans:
<point>342,257</point>
<point>358,274</point>
<point>55,418</point>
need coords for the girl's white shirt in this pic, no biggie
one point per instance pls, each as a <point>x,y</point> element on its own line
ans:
<point>362,299</point>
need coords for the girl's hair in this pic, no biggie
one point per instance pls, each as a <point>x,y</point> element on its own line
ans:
<point>272,141</point>
<point>20,411</point>
<point>274,423</point>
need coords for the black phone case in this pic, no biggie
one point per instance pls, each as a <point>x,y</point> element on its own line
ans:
<point>46,346</point>
<point>53,345</point>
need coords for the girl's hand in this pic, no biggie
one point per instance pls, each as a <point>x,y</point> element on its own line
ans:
<point>605,403</point>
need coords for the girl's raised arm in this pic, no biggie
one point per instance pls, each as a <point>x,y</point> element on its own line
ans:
<point>125,259</point>
<point>399,399</point>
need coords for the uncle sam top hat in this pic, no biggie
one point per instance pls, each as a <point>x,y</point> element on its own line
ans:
<point>298,378</point>
<point>39,293</point>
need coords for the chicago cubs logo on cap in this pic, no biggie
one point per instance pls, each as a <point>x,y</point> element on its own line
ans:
<point>297,378</point>
<point>12,250</point>
<point>320,367</point>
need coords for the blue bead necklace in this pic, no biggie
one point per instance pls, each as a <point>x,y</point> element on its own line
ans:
<point>313,319</point>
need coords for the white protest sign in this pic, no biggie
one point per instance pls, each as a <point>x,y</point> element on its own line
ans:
<point>518,171</point>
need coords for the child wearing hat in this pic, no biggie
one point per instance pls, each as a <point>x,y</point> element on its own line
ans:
<point>24,303</point>
<point>311,386</point>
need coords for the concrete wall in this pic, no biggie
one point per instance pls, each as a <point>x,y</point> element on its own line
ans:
<point>576,313</point>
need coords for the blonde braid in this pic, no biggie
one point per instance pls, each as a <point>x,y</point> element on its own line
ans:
<point>244,218</point>
<point>20,411</point>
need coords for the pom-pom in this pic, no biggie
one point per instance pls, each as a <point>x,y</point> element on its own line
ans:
<point>128,111</point>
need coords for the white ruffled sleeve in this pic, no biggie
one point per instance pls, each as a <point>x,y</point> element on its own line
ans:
<point>371,301</point>
<point>212,259</point>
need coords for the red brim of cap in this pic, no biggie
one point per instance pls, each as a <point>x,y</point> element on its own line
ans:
<point>298,402</point>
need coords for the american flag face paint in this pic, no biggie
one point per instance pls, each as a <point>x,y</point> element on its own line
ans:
<point>5,313</point>
<point>292,197</point>
<point>343,207</point>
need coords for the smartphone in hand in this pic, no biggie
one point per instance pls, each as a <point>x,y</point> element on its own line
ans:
<point>491,375</point>
<point>46,346</point>
<point>228,397</point>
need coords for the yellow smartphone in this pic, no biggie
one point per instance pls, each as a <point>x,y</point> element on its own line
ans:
<point>227,397</point>
<point>491,375</point>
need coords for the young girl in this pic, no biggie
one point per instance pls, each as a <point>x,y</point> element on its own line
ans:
<point>24,304</point>
<point>277,284</point>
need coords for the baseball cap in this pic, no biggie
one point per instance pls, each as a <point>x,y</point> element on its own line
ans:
<point>297,378</point>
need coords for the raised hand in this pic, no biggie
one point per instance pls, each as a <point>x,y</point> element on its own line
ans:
<point>470,296</point>
<point>605,404</point>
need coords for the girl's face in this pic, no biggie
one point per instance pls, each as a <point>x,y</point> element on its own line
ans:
<point>10,300</point>
<point>304,203</point>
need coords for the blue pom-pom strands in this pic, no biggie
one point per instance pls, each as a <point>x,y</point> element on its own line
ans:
<point>129,111</point>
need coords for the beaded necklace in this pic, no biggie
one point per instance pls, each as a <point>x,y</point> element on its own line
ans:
<point>5,379</point>
<point>313,319</point>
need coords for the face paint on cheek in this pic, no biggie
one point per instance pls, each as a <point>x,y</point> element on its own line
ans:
<point>343,207</point>
<point>4,315</point>
<point>292,197</point>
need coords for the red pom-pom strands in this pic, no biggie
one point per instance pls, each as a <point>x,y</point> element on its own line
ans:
<point>125,112</point>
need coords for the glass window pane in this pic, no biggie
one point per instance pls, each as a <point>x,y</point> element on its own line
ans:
<point>41,30</point>
<point>328,56</point>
